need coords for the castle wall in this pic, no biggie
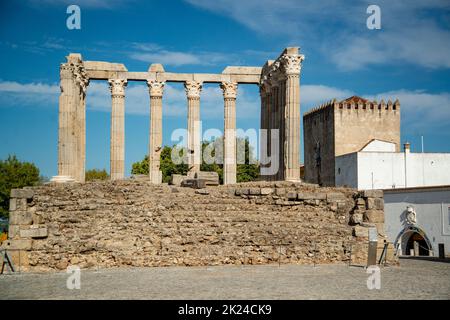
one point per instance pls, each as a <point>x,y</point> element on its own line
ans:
<point>356,125</point>
<point>319,131</point>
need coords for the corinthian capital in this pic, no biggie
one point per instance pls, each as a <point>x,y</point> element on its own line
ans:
<point>229,89</point>
<point>117,86</point>
<point>193,89</point>
<point>155,88</point>
<point>292,63</point>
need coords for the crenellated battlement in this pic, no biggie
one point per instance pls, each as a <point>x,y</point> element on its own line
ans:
<point>356,103</point>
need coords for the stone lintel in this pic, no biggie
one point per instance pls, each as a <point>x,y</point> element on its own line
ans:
<point>103,66</point>
<point>237,70</point>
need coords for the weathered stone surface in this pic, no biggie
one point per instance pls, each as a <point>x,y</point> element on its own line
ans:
<point>176,179</point>
<point>202,191</point>
<point>211,178</point>
<point>17,244</point>
<point>359,231</point>
<point>335,197</point>
<point>375,203</point>
<point>137,223</point>
<point>194,183</point>
<point>373,193</point>
<point>21,217</point>
<point>13,231</point>
<point>374,216</point>
<point>22,193</point>
<point>357,218</point>
<point>34,231</point>
<point>292,195</point>
<point>266,191</point>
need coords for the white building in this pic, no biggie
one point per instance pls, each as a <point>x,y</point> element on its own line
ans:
<point>418,219</point>
<point>378,166</point>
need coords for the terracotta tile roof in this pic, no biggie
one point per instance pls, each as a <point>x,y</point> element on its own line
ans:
<point>354,99</point>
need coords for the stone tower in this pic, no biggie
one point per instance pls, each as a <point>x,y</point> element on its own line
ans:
<point>337,128</point>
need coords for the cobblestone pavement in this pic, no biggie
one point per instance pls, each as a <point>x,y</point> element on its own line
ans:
<point>414,279</point>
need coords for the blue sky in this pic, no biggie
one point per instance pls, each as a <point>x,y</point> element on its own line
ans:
<point>408,59</point>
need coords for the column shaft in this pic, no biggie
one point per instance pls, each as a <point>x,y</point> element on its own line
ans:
<point>71,126</point>
<point>117,152</point>
<point>229,164</point>
<point>292,132</point>
<point>155,139</point>
<point>194,148</point>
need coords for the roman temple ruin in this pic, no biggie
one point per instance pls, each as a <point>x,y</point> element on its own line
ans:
<point>279,83</point>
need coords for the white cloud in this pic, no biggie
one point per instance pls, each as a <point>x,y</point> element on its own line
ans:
<point>314,95</point>
<point>414,31</point>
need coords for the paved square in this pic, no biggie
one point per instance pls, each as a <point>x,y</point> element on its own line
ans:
<point>414,279</point>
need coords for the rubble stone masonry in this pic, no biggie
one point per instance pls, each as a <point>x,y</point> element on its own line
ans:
<point>136,223</point>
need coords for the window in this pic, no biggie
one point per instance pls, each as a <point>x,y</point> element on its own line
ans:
<point>339,172</point>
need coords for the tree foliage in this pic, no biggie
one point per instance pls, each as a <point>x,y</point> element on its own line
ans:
<point>96,174</point>
<point>245,172</point>
<point>15,174</point>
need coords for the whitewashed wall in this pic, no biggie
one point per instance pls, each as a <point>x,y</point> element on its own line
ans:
<point>432,213</point>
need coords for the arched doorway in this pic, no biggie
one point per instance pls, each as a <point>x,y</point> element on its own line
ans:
<point>421,245</point>
<point>406,239</point>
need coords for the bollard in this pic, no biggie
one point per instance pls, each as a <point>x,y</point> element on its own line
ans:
<point>441,251</point>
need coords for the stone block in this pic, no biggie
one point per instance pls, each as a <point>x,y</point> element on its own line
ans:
<point>360,203</point>
<point>357,218</point>
<point>380,228</point>
<point>280,191</point>
<point>194,183</point>
<point>359,231</point>
<point>211,177</point>
<point>35,231</point>
<point>237,192</point>
<point>176,179</point>
<point>20,217</point>
<point>306,196</point>
<point>17,244</point>
<point>22,193</point>
<point>373,193</point>
<point>374,216</point>
<point>12,204</point>
<point>292,195</point>
<point>375,203</point>
<point>255,191</point>
<point>13,231</point>
<point>335,197</point>
<point>266,191</point>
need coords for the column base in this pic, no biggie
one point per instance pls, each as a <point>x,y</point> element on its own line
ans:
<point>62,179</point>
<point>156,177</point>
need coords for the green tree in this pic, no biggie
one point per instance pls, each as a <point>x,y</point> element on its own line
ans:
<point>167,166</point>
<point>140,167</point>
<point>245,172</point>
<point>15,174</point>
<point>96,174</point>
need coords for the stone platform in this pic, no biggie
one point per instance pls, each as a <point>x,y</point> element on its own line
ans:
<point>136,223</point>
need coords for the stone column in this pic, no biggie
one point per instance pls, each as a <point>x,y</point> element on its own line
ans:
<point>156,89</point>
<point>263,127</point>
<point>292,66</point>
<point>281,119</point>
<point>194,148</point>
<point>71,124</point>
<point>117,151</point>
<point>274,123</point>
<point>229,141</point>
